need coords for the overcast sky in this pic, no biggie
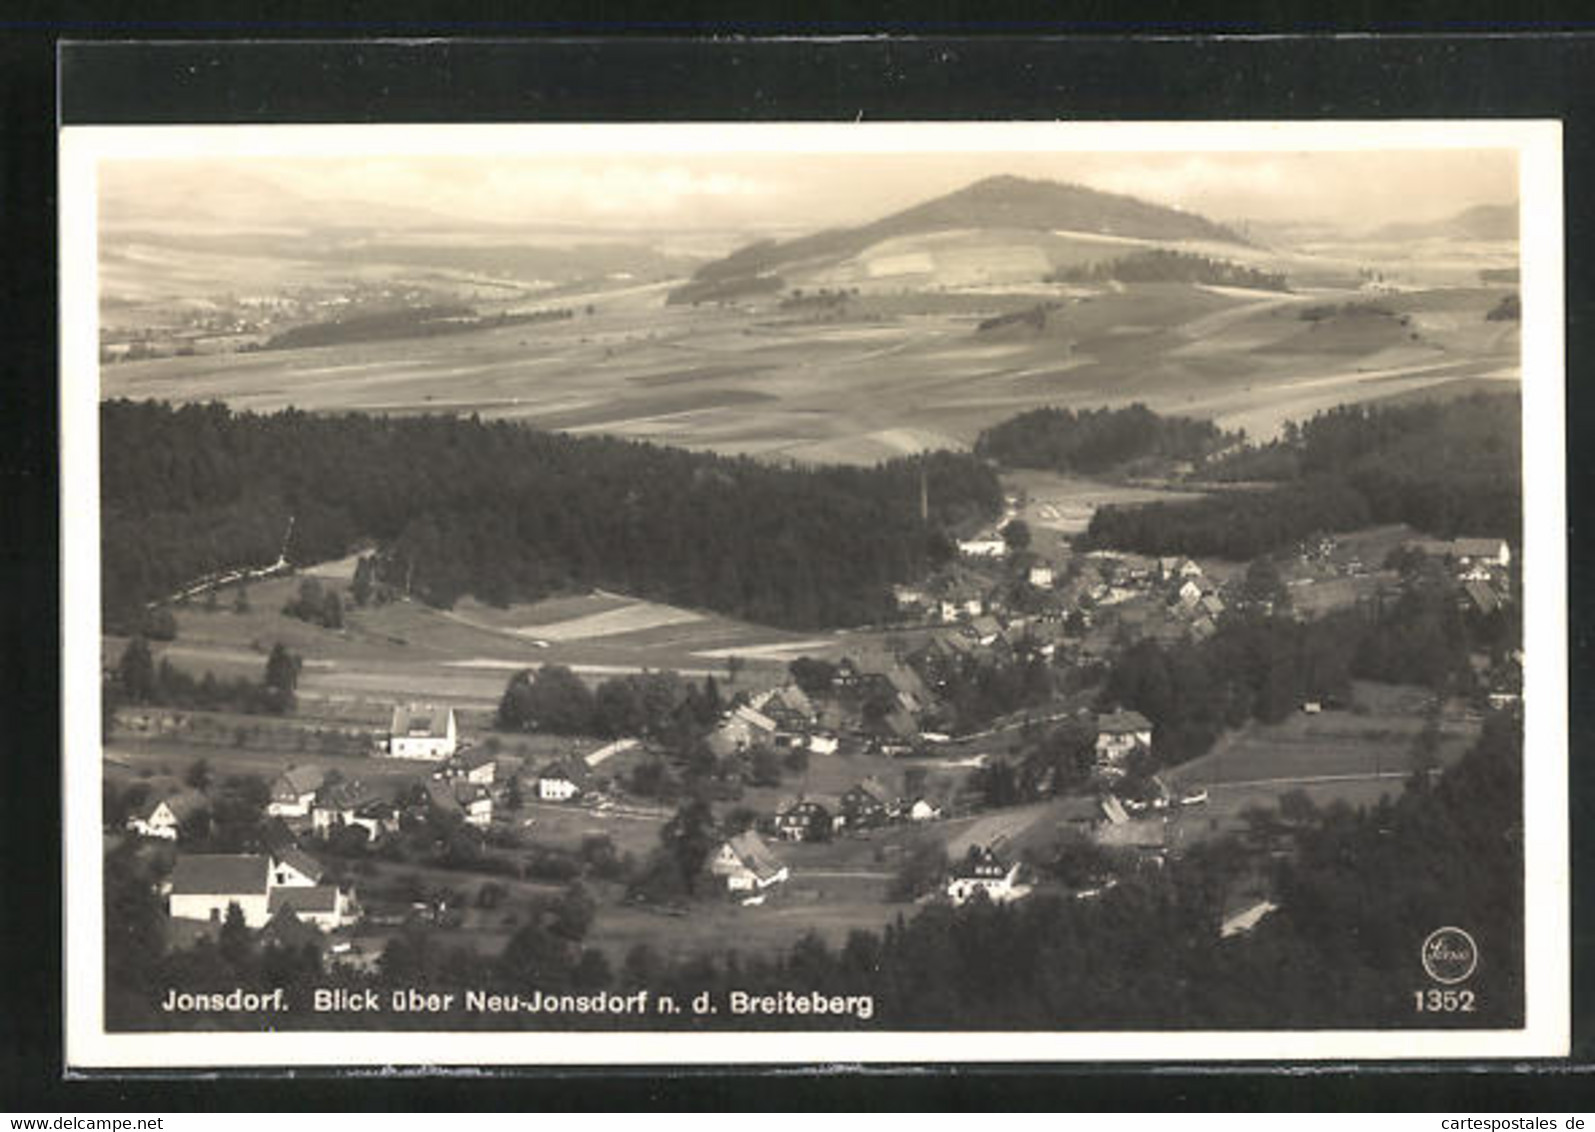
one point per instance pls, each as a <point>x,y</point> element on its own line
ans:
<point>1360,189</point>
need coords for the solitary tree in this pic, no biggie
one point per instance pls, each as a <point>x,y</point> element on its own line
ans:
<point>136,671</point>
<point>198,775</point>
<point>234,941</point>
<point>690,837</point>
<point>282,677</point>
<point>1017,535</point>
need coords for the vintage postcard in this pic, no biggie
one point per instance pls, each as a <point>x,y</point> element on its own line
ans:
<point>940,592</point>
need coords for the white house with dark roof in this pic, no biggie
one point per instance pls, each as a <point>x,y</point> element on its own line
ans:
<point>477,765</point>
<point>165,817</point>
<point>1120,734</point>
<point>982,871</point>
<point>422,731</point>
<point>562,780</point>
<point>336,804</point>
<point>294,791</point>
<point>292,867</point>
<point>746,864</point>
<point>203,885</point>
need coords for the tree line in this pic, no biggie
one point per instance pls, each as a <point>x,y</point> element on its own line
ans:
<point>1097,440</point>
<point>137,679</point>
<point>1448,468</point>
<point>508,513</point>
<point>1165,265</point>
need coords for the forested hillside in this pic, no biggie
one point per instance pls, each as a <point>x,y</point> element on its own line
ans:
<point>1449,468</point>
<point>507,513</point>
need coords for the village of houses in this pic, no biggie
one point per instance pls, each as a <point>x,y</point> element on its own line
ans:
<point>864,790</point>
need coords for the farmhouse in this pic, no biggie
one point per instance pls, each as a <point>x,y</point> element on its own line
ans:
<point>745,727</point>
<point>422,731</point>
<point>335,805</point>
<point>1120,734</point>
<point>807,819</point>
<point>746,864</point>
<point>982,871</point>
<point>205,884</point>
<point>1041,577</point>
<point>294,791</point>
<point>868,803</point>
<point>166,817</point>
<point>787,704</point>
<point>477,765</point>
<point>562,780</point>
<point>923,810</point>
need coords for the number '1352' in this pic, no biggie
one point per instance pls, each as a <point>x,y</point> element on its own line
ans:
<point>1443,1001</point>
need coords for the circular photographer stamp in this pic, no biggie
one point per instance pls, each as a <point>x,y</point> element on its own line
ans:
<point>1450,955</point>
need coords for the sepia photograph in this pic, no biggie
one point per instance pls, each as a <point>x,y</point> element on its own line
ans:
<point>775,592</point>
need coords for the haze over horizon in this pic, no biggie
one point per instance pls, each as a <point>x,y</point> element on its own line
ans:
<point>787,192</point>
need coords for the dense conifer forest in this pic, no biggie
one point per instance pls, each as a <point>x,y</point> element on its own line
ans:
<point>506,513</point>
<point>1448,468</point>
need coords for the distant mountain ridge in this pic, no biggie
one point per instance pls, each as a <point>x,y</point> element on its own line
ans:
<point>1481,222</point>
<point>1000,202</point>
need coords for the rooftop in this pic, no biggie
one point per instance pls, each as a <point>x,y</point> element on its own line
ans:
<point>755,855</point>
<point>421,721</point>
<point>221,874</point>
<point>1123,722</point>
<point>319,898</point>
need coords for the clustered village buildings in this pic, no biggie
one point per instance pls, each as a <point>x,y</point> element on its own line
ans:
<point>287,886</point>
<point>309,804</point>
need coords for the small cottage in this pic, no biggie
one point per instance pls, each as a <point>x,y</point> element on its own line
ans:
<point>746,864</point>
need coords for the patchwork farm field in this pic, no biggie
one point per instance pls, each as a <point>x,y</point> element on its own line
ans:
<point>406,650</point>
<point>751,378</point>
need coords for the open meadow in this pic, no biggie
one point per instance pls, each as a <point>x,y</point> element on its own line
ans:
<point>406,650</point>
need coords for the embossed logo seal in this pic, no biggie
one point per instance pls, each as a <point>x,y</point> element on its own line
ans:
<point>1450,955</point>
